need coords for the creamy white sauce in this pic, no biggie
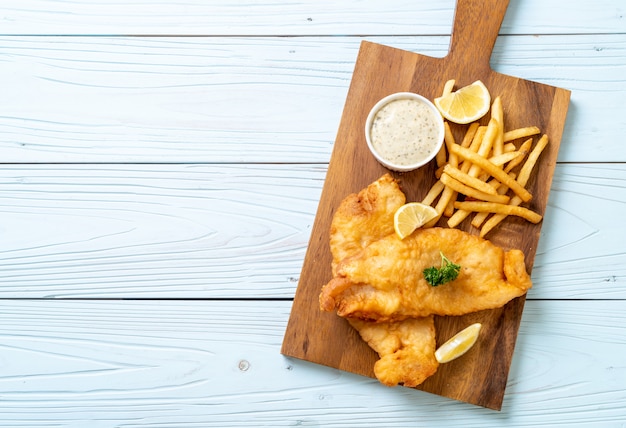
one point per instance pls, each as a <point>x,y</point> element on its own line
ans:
<point>404,131</point>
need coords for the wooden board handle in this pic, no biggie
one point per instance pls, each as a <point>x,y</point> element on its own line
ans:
<point>474,32</point>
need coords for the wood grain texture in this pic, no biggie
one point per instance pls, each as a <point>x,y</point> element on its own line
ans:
<point>154,231</point>
<point>324,17</point>
<point>583,230</point>
<point>380,71</point>
<point>265,99</point>
<point>217,364</point>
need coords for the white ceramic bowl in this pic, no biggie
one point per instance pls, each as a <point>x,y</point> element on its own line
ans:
<point>438,123</point>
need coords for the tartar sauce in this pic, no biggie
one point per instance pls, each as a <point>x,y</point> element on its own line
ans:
<point>404,131</point>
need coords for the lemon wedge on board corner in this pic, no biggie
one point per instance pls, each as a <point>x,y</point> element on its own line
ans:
<point>458,344</point>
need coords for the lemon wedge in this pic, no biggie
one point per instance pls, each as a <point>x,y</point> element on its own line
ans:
<point>411,216</point>
<point>459,344</point>
<point>465,105</point>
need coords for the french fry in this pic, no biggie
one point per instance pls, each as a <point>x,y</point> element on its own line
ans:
<point>442,203</point>
<point>453,159</point>
<point>479,218</point>
<point>455,219</point>
<point>489,138</point>
<point>480,169</point>
<point>459,187</point>
<point>496,219</point>
<point>503,158</point>
<point>497,113</point>
<point>441,156</point>
<point>432,194</point>
<point>439,171</point>
<point>522,179</point>
<point>521,133</point>
<point>482,142</point>
<point>496,110</point>
<point>468,180</point>
<point>509,147</point>
<point>469,134</point>
<point>492,169</point>
<point>448,87</point>
<point>524,149</point>
<point>485,146</point>
<point>497,208</point>
<point>449,210</point>
<point>478,138</point>
<point>474,145</point>
<point>499,143</point>
<point>524,173</point>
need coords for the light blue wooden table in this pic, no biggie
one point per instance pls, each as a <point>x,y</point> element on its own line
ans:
<point>161,168</point>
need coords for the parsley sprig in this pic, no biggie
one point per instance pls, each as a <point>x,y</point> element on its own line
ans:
<point>446,273</point>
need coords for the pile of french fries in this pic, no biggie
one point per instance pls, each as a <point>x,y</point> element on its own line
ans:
<point>477,175</point>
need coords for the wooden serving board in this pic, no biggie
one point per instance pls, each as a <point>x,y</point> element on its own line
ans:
<point>480,376</point>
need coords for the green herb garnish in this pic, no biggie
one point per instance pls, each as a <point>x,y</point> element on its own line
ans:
<point>446,273</point>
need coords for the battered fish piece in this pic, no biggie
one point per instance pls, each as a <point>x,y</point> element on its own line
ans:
<point>407,349</point>
<point>385,281</point>
<point>364,218</point>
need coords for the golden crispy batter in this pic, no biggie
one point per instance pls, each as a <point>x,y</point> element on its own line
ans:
<point>406,349</point>
<point>364,218</point>
<point>385,281</point>
<point>379,277</point>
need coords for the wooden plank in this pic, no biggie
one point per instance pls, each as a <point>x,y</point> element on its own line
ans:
<point>324,17</point>
<point>229,231</point>
<point>155,231</point>
<point>185,99</point>
<point>382,70</point>
<point>576,220</point>
<point>217,364</point>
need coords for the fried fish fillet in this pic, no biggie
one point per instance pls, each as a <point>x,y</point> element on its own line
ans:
<point>364,218</point>
<point>406,348</point>
<point>385,281</point>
